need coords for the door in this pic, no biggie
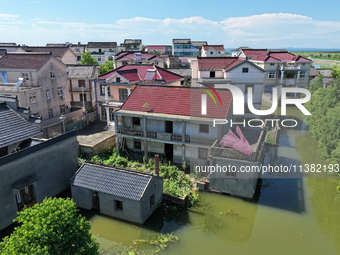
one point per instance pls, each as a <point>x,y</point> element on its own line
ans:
<point>96,205</point>
<point>168,127</point>
<point>169,152</point>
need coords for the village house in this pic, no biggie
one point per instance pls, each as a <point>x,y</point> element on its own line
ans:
<point>63,53</point>
<point>117,192</point>
<point>115,86</point>
<point>10,122</point>
<point>11,47</point>
<point>37,169</point>
<point>282,67</point>
<point>236,181</point>
<point>230,70</point>
<point>161,49</point>
<point>131,45</point>
<point>168,121</point>
<point>81,87</point>
<point>39,81</point>
<point>213,51</point>
<point>78,49</point>
<point>129,57</point>
<point>184,48</point>
<point>102,51</point>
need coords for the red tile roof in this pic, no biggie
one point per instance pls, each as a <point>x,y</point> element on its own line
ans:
<point>23,60</point>
<point>216,47</point>
<point>177,101</point>
<point>161,75</point>
<point>155,47</point>
<point>254,52</point>
<point>216,63</point>
<point>281,56</point>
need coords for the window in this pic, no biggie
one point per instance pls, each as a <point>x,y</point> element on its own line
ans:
<point>152,200</point>
<point>272,64</point>
<point>102,90</point>
<point>245,70</point>
<point>52,75</point>
<point>137,145</point>
<point>99,59</point>
<point>302,75</point>
<point>50,113</point>
<point>78,58</point>
<point>123,93</point>
<point>202,153</point>
<point>136,121</point>
<point>118,79</point>
<point>204,128</point>
<point>61,93</point>
<point>25,76</point>
<point>81,83</point>
<point>156,63</point>
<point>271,75</point>
<point>62,109</point>
<point>25,196</point>
<point>212,74</point>
<point>211,52</point>
<point>32,98</point>
<point>82,97</point>
<point>48,94</point>
<point>118,205</point>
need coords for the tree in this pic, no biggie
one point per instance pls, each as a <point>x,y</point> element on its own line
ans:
<point>325,120</point>
<point>108,66</point>
<point>336,71</point>
<point>315,85</point>
<point>87,59</point>
<point>51,227</point>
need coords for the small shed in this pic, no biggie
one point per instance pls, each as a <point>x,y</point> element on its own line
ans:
<point>117,192</point>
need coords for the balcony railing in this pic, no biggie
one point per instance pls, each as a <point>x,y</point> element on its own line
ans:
<point>167,136</point>
<point>290,67</point>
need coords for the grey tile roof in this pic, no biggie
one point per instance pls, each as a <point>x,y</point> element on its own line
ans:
<point>57,52</point>
<point>111,180</point>
<point>81,71</point>
<point>14,128</point>
<point>23,60</point>
<point>102,45</point>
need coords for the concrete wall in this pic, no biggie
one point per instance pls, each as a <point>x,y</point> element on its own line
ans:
<point>69,58</point>
<point>53,163</point>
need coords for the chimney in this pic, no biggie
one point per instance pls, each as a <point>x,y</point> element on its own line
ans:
<point>157,164</point>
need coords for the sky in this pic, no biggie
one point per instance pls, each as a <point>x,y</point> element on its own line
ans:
<point>256,24</point>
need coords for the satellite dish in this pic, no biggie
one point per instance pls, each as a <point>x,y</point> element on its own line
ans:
<point>21,80</point>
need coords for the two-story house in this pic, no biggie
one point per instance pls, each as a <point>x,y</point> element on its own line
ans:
<point>38,80</point>
<point>81,87</point>
<point>115,86</point>
<point>63,53</point>
<point>213,51</point>
<point>102,51</point>
<point>168,120</point>
<point>162,49</point>
<point>129,57</point>
<point>282,67</point>
<point>230,70</point>
<point>131,45</point>
<point>184,48</point>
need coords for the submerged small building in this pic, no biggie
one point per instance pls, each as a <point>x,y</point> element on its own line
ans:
<point>117,192</point>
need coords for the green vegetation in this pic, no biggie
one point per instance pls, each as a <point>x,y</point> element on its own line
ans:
<point>319,54</point>
<point>87,59</point>
<point>108,66</point>
<point>175,181</point>
<point>51,227</point>
<point>325,119</point>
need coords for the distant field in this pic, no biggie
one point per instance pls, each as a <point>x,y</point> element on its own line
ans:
<point>319,54</point>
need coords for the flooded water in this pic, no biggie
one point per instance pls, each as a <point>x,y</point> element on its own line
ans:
<point>291,216</point>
